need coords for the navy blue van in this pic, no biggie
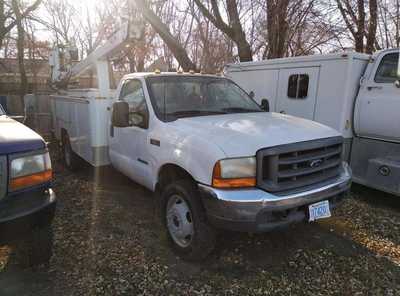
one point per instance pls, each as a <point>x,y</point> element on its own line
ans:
<point>27,202</point>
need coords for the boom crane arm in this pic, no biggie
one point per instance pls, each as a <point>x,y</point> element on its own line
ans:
<point>98,59</point>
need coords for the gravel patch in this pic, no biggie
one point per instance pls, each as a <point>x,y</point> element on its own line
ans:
<point>108,241</point>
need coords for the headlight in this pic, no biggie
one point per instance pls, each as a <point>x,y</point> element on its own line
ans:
<point>29,171</point>
<point>234,173</point>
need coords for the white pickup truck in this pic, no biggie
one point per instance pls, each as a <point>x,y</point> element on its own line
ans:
<point>216,158</point>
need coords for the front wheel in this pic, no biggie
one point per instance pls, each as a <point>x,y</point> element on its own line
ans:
<point>36,247</point>
<point>185,221</point>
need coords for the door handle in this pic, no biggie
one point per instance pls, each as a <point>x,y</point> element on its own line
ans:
<point>374,87</point>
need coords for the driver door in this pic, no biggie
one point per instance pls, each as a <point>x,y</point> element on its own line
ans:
<point>378,103</point>
<point>127,145</point>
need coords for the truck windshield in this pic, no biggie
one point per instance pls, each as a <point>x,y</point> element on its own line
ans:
<point>187,96</point>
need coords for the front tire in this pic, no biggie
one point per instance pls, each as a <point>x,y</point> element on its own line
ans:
<point>36,248</point>
<point>192,238</point>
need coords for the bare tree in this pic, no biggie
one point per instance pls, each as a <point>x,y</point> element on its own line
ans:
<point>361,26</point>
<point>233,29</point>
<point>21,48</point>
<point>162,29</point>
<point>7,21</point>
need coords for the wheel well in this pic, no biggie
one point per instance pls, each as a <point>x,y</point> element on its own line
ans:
<point>170,173</point>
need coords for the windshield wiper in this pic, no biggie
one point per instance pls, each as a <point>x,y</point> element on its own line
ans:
<point>240,110</point>
<point>188,113</point>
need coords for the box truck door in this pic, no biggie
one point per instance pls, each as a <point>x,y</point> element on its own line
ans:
<point>378,104</point>
<point>297,91</point>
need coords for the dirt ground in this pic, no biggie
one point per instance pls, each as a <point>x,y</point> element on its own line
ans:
<point>108,241</point>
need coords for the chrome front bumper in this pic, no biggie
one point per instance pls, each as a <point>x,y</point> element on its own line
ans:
<point>257,210</point>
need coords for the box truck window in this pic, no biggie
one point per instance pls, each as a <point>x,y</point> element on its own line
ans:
<point>387,70</point>
<point>298,86</point>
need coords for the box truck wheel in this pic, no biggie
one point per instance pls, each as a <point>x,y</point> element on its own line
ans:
<point>185,221</point>
<point>71,159</point>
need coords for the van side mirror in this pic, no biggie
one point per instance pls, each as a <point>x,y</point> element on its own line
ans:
<point>397,83</point>
<point>120,114</point>
<point>265,105</point>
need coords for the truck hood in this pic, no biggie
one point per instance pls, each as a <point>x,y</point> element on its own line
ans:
<point>245,133</point>
<point>16,137</point>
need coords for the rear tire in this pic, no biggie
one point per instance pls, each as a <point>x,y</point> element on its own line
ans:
<point>70,158</point>
<point>184,217</point>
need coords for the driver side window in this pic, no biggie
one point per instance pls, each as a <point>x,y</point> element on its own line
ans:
<point>132,93</point>
<point>387,70</point>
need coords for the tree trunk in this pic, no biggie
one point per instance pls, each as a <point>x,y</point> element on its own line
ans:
<point>277,27</point>
<point>397,24</point>
<point>173,44</point>
<point>6,27</point>
<point>373,23</point>
<point>20,48</point>
<point>355,20</point>
<point>233,30</point>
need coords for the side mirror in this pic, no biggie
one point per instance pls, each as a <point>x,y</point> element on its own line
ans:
<point>252,94</point>
<point>397,83</point>
<point>265,105</point>
<point>120,114</point>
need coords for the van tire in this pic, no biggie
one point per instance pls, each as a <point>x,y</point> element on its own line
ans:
<point>70,158</point>
<point>203,238</point>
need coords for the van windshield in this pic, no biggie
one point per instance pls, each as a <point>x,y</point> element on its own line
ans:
<point>187,96</point>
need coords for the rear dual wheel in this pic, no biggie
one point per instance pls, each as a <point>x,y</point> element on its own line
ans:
<point>71,159</point>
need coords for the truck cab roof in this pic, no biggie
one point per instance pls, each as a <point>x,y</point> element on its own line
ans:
<point>169,74</point>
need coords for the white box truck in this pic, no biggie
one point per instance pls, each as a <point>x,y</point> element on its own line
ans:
<point>356,94</point>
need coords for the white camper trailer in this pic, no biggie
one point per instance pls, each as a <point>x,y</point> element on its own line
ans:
<point>357,94</point>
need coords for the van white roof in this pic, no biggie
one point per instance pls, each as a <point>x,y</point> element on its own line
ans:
<point>302,59</point>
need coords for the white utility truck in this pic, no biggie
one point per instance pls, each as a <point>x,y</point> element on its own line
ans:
<point>356,94</point>
<point>213,155</point>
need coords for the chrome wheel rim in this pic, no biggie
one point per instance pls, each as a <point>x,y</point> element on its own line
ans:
<point>179,221</point>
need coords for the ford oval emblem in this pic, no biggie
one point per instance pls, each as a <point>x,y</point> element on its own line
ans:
<point>316,163</point>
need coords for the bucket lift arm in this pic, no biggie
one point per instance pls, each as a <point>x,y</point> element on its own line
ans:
<point>98,59</point>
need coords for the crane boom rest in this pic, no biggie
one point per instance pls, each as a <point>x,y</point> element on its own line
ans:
<point>64,65</point>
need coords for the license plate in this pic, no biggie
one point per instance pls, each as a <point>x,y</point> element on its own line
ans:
<point>319,210</point>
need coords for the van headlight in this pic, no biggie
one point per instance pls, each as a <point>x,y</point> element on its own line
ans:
<point>235,173</point>
<point>28,171</point>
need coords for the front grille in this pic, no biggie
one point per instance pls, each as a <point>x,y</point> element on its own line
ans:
<point>3,176</point>
<point>292,166</point>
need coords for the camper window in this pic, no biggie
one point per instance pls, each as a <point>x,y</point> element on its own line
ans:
<point>387,71</point>
<point>298,86</point>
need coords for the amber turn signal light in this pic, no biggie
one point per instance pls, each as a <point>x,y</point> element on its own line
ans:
<point>31,180</point>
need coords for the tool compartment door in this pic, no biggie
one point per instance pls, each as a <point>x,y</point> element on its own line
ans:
<point>297,91</point>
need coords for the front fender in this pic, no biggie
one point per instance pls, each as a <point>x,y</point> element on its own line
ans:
<point>190,152</point>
